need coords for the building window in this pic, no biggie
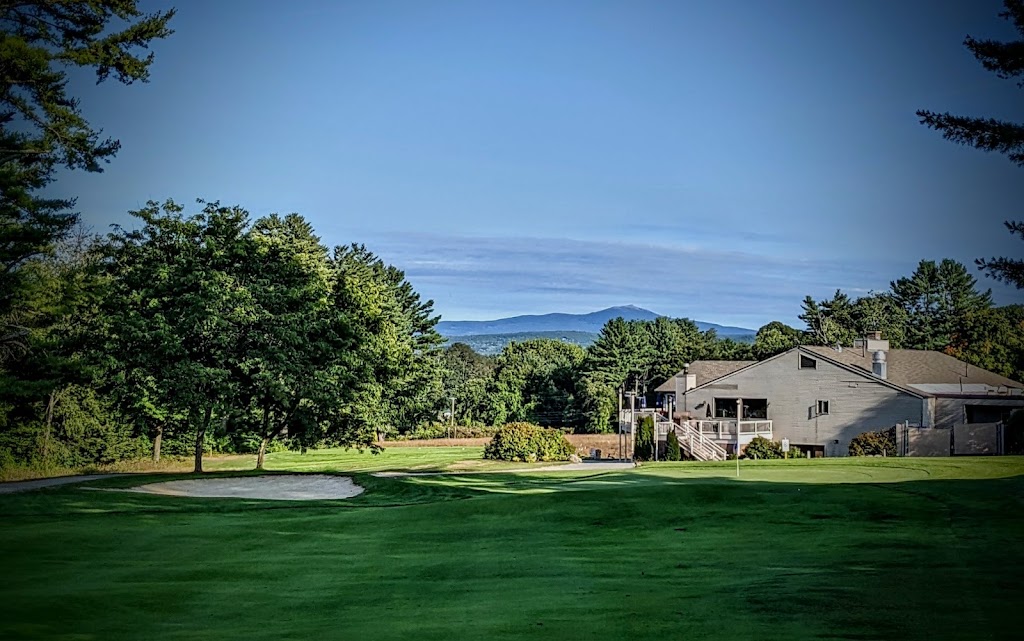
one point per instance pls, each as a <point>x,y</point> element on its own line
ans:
<point>753,408</point>
<point>808,363</point>
<point>822,408</point>
<point>725,408</point>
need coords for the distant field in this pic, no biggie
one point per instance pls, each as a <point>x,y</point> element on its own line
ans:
<point>808,549</point>
<point>492,344</point>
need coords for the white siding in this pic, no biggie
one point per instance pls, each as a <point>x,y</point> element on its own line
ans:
<point>856,403</point>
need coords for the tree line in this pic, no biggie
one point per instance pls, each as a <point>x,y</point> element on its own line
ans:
<point>938,307</point>
<point>207,330</point>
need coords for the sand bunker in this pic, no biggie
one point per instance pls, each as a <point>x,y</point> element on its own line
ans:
<point>311,487</point>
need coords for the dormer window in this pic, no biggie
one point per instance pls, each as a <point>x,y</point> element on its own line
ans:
<point>807,362</point>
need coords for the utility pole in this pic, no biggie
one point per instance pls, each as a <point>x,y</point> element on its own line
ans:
<point>739,417</point>
<point>454,433</point>
<point>632,422</point>
<point>618,425</point>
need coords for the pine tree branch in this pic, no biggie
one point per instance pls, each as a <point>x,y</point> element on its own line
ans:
<point>1003,269</point>
<point>986,134</point>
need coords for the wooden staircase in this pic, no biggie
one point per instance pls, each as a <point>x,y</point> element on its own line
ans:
<point>691,440</point>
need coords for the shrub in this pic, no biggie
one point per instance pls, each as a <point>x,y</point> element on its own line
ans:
<point>643,448</point>
<point>877,443</point>
<point>762,448</point>
<point>672,450</point>
<point>527,442</point>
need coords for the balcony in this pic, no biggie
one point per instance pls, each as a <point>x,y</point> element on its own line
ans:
<point>724,429</point>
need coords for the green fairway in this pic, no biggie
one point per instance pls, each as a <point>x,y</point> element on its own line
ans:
<point>825,549</point>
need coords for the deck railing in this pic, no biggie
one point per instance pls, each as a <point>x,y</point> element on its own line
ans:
<point>723,428</point>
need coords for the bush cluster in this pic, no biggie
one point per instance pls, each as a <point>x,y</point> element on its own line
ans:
<point>761,448</point>
<point>877,443</point>
<point>528,443</point>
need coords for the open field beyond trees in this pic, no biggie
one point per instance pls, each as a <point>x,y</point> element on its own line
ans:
<point>823,549</point>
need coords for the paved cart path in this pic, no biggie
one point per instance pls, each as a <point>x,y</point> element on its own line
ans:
<point>25,486</point>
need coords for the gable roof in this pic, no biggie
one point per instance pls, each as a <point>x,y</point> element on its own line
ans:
<point>850,368</point>
<point>910,367</point>
<point>920,373</point>
<point>705,371</point>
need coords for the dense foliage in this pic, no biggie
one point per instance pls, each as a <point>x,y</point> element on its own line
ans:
<point>937,307</point>
<point>223,331</point>
<point>528,443</point>
<point>876,443</point>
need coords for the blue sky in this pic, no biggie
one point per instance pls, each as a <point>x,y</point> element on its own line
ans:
<point>703,159</point>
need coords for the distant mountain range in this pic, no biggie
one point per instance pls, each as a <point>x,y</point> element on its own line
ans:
<point>489,337</point>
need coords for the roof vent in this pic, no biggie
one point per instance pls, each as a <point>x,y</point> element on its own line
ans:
<point>878,364</point>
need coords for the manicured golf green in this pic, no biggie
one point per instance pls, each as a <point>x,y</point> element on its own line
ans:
<point>829,549</point>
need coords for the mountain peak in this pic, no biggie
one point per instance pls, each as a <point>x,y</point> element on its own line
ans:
<point>591,323</point>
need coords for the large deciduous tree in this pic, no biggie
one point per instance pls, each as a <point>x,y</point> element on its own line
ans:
<point>535,380</point>
<point>774,338</point>
<point>466,377</point>
<point>289,347</point>
<point>179,305</point>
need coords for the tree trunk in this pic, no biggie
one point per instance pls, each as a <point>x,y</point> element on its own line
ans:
<point>200,437</point>
<point>261,454</point>
<point>49,425</point>
<point>157,442</point>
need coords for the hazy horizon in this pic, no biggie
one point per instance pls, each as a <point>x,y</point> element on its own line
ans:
<point>718,162</point>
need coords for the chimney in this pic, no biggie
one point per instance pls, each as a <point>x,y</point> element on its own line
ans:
<point>878,366</point>
<point>873,342</point>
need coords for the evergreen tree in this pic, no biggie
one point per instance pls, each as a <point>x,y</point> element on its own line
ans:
<point>937,299</point>
<point>643,446</point>
<point>1004,269</point>
<point>42,126</point>
<point>1006,60</point>
<point>672,450</point>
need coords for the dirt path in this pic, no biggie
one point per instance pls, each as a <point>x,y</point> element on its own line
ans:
<point>25,486</point>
